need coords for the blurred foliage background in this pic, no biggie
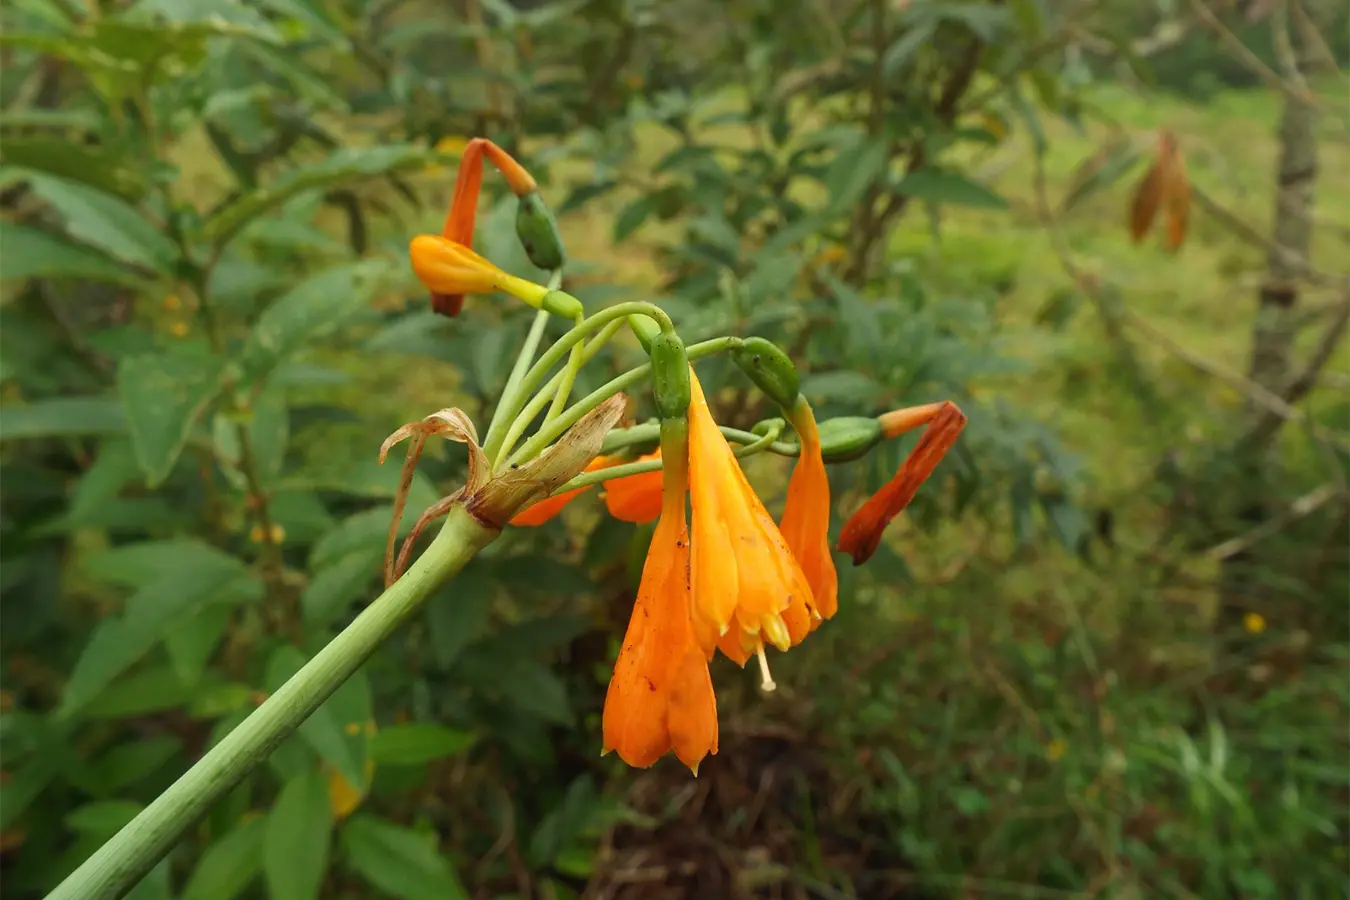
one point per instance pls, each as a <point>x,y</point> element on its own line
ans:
<point>1103,655</point>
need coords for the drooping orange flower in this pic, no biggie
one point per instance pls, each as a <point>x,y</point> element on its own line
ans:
<point>459,220</point>
<point>806,515</point>
<point>635,498</point>
<point>660,697</point>
<point>862,533</point>
<point>748,587</point>
<point>448,268</point>
<point>549,507</point>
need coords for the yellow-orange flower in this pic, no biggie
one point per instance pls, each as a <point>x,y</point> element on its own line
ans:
<point>862,534</point>
<point>748,587</point>
<point>635,498</point>
<point>459,220</point>
<point>549,507</point>
<point>806,515</point>
<point>449,268</point>
<point>661,697</point>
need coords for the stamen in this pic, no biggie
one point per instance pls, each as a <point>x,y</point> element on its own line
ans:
<point>775,629</point>
<point>766,683</point>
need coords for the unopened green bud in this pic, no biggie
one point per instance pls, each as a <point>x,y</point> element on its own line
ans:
<point>769,368</point>
<point>561,303</point>
<point>538,232</point>
<point>670,376</point>
<point>848,437</point>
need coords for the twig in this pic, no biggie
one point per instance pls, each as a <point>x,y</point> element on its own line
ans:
<point>1247,57</point>
<point>1303,506</point>
<point>1299,386</point>
<point>1233,223</point>
<point>1313,37</point>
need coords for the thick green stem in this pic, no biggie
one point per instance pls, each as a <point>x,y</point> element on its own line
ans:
<point>555,354</point>
<point>134,850</point>
<point>553,430</point>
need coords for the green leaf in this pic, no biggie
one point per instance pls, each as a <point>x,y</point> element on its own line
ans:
<point>458,612</point>
<point>229,865</point>
<point>191,642</point>
<point>187,584</point>
<point>107,222</point>
<point>103,818</point>
<point>344,166</point>
<point>899,54</point>
<point>631,217</point>
<point>126,764</point>
<point>1059,308</point>
<point>854,168</point>
<point>163,395</point>
<point>311,310</point>
<point>61,416</point>
<point>937,186</point>
<point>307,84</point>
<point>270,432</point>
<point>398,861</point>
<point>32,253</point>
<point>149,690</point>
<point>90,165</point>
<point>137,565</point>
<point>852,387</point>
<point>333,588</point>
<point>299,829</point>
<point>416,743</point>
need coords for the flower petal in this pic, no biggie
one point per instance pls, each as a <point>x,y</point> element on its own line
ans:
<point>806,515</point>
<point>635,498</point>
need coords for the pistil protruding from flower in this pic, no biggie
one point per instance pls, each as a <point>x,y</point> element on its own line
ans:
<point>766,682</point>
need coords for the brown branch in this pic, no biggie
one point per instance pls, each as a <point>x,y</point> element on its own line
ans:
<point>1300,508</point>
<point>946,111</point>
<point>1249,59</point>
<point>1248,233</point>
<point>1299,385</point>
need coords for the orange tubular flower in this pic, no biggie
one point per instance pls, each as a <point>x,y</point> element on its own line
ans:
<point>806,516</point>
<point>748,587</point>
<point>549,507</point>
<point>862,533</point>
<point>635,498</point>
<point>661,697</point>
<point>448,268</point>
<point>459,221</point>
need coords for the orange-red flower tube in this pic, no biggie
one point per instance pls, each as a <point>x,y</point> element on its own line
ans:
<point>862,533</point>
<point>806,515</point>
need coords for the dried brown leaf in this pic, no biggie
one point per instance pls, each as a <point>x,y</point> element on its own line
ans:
<point>512,491</point>
<point>1144,206</point>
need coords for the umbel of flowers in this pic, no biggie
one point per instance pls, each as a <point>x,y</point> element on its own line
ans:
<point>720,575</point>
